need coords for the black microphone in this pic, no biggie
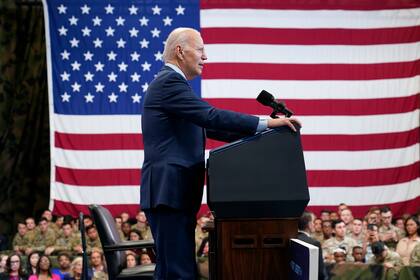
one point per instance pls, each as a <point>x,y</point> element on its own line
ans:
<point>267,99</point>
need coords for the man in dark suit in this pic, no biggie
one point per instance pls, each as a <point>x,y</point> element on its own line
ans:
<point>175,123</point>
<point>305,228</point>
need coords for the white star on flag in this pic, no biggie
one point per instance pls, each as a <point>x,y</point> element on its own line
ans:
<point>112,77</point>
<point>99,66</point>
<point>156,10</point>
<point>133,10</point>
<point>144,21</point>
<point>99,87</point>
<point>133,32</point>
<point>76,87</point>
<point>63,31</point>
<point>113,97</point>
<point>121,43</point>
<point>65,55</point>
<point>111,55</point>
<point>65,97</point>
<point>144,43</point>
<point>135,56</point>
<point>85,9</point>
<point>146,66</point>
<point>120,21</point>
<point>65,76</point>
<point>145,86</point>
<point>73,20</point>
<point>135,77</point>
<point>88,55</point>
<point>180,10</point>
<point>74,43</point>
<point>98,43</point>
<point>155,32</point>
<point>109,9</point>
<point>75,65</point>
<point>96,21</point>
<point>62,9</point>
<point>89,76</point>
<point>89,97</point>
<point>109,31</point>
<point>122,66</point>
<point>167,21</point>
<point>136,98</point>
<point>123,87</point>
<point>86,31</point>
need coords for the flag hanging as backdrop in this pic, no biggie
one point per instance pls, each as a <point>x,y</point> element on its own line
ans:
<point>350,70</point>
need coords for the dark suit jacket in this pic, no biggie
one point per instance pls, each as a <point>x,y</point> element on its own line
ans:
<point>174,120</point>
<point>307,239</point>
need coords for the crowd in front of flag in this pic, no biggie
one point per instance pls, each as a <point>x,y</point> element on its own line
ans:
<point>53,244</point>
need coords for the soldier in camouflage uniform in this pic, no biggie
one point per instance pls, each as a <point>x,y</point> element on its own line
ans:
<point>383,255</point>
<point>18,242</point>
<point>43,239</point>
<point>63,243</point>
<point>142,226</point>
<point>318,234</point>
<point>92,240</point>
<point>415,256</point>
<point>339,241</point>
<point>357,231</point>
<point>30,233</point>
<point>388,233</point>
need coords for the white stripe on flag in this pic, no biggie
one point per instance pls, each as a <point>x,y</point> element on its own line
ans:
<point>353,125</point>
<point>97,195</point>
<point>366,89</point>
<point>309,18</point>
<point>91,124</point>
<point>322,160</point>
<point>321,54</point>
<point>365,195</point>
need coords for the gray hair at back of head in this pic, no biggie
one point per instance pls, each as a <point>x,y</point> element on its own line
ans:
<point>178,37</point>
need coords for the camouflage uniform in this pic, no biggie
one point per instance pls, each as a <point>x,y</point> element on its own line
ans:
<point>90,244</point>
<point>65,243</point>
<point>29,237</point>
<point>43,240</point>
<point>391,257</point>
<point>145,231</point>
<point>359,239</point>
<point>391,244</point>
<point>19,242</point>
<point>318,236</point>
<point>415,256</point>
<point>331,244</point>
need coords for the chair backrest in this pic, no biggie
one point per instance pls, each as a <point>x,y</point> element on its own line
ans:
<point>108,234</point>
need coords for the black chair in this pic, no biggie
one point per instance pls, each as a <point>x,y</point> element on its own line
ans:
<point>114,248</point>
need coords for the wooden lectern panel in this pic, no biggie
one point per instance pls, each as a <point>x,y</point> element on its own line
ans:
<point>251,248</point>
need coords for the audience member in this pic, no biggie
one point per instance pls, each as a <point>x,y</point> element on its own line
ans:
<point>371,236</point>
<point>43,270</point>
<point>14,269</point>
<point>305,229</point>
<point>357,231</point>
<point>347,217</point>
<point>18,242</point>
<point>43,239</point>
<point>143,226</point>
<point>200,233</point>
<point>92,240</point>
<point>145,258</point>
<point>131,260</point>
<point>203,259</point>
<point>373,218</point>
<point>118,223</point>
<point>3,262</point>
<point>325,215</point>
<point>382,255</point>
<point>399,223</point>
<point>357,254</point>
<point>126,228</point>
<point>340,255</point>
<point>318,234</point>
<point>97,263</point>
<point>63,268</point>
<point>125,217</point>
<point>339,240</point>
<point>76,269</point>
<point>334,216</point>
<point>406,245</point>
<point>327,230</point>
<point>415,256</point>
<point>30,233</point>
<point>388,233</point>
<point>65,243</point>
<point>341,207</point>
<point>87,221</point>
<point>32,263</point>
<point>57,224</point>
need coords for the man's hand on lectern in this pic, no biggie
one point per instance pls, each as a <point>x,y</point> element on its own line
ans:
<point>290,122</point>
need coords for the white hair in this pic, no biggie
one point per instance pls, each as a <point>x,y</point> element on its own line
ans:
<point>178,37</point>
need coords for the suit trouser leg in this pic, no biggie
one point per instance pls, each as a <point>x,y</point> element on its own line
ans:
<point>173,231</point>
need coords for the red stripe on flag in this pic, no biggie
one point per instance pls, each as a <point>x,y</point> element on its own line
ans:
<point>360,178</point>
<point>266,71</point>
<point>398,209</point>
<point>322,107</point>
<point>377,141</point>
<point>351,142</point>
<point>98,177</point>
<point>129,141</point>
<point>297,36</point>
<point>363,5</point>
<point>324,178</point>
<point>63,208</point>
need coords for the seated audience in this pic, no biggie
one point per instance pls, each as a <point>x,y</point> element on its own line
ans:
<point>30,233</point>
<point>64,262</point>
<point>145,258</point>
<point>97,262</point>
<point>325,215</point>
<point>334,216</point>
<point>126,228</point>
<point>406,245</point>
<point>76,269</point>
<point>43,270</point>
<point>143,226</point>
<point>92,239</point>
<point>415,256</point>
<point>43,239</point>
<point>399,223</point>
<point>318,234</point>
<point>203,259</point>
<point>327,230</point>
<point>382,255</point>
<point>347,217</point>
<point>14,269</point>
<point>65,242</point>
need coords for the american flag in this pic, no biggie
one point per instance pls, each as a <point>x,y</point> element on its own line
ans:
<point>350,70</point>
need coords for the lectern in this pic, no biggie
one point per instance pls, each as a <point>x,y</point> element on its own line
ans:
<point>257,190</point>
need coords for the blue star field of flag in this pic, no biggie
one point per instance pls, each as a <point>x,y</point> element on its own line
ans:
<point>104,54</point>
